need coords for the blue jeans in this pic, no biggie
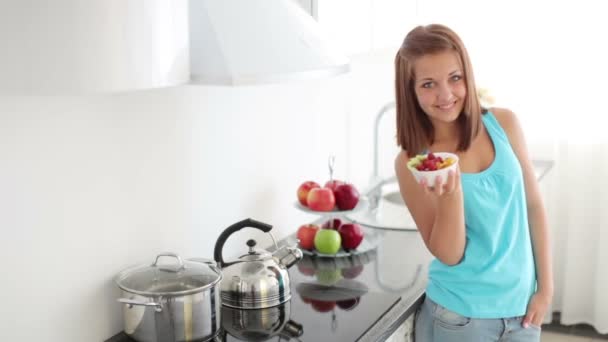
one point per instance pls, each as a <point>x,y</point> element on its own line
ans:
<point>434,323</point>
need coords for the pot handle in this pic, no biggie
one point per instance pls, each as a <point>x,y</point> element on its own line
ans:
<point>130,303</point>
<point>169,269</point>
<point>219,244</point>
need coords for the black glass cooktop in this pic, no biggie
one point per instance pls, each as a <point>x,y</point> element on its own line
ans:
<point>331,301</point>
<point>345,320</point>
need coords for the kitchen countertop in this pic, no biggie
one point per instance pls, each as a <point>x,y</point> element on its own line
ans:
<point>398,265</point>
<point>393,269</point>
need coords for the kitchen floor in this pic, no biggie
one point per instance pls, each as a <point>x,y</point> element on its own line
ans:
<point>555,332</point>
<point>549,336</point>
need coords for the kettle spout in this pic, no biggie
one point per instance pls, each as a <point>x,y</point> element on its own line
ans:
<point>288,256</point>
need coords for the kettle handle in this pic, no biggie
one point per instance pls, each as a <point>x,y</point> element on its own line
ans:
<point>219,244</point>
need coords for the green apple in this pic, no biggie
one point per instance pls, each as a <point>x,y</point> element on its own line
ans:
<point>328,241</point>
<point>328,277</point>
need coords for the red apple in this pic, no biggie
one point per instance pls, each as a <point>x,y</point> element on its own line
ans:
<point>333,184</point>
<point>322,306</point>
<point>333,223</point>
<point>352,272</point>
<point>304,189</point>
<point>305,299</point>
<point>347,196</point>
<point>321,199</point>
<point>351,234</point>
<point>306,235</point>
<point>348,304</point>
<point>305,270</point>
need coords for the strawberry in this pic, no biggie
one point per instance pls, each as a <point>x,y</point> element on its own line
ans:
<point>428,163</point>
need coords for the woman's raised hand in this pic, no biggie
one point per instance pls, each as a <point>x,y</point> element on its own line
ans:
<point>450,186</point>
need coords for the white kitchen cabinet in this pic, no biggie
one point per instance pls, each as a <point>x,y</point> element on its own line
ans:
<point>73,46</point>
<point>405,333</point>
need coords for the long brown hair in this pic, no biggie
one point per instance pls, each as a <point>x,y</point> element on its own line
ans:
<point>415,131</point>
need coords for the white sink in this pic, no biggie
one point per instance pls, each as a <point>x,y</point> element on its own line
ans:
<point>394,198</point>
<point>390,213</point>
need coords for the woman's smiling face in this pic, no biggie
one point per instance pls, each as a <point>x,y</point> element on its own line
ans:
<point>440,86</point>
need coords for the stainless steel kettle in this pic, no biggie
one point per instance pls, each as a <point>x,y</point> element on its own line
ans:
<point>258,279</point>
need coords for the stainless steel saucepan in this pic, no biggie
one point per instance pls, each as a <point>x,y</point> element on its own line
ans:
<point>174,302</point>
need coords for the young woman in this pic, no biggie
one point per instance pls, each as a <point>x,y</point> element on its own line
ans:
<point>491,279</point>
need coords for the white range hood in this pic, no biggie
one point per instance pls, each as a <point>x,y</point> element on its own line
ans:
<point>242,42</point>
<point>71,47</point>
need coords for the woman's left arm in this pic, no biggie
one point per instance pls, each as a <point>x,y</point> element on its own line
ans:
<point>537,218</point>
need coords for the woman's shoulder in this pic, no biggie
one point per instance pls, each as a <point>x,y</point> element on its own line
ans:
<point>502,114</point>
<point>508,121</point>
<point>401,158</point>
<point>404,176</point>
<point>505,117</point>
<point>401,161</point>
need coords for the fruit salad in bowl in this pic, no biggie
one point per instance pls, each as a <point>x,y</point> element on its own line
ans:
<point>432,165</point>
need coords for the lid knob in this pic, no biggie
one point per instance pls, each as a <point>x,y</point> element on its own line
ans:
<point>251,244</point>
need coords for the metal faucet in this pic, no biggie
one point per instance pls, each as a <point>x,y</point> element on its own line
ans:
<point>375,191</point>
<point>379,116</point>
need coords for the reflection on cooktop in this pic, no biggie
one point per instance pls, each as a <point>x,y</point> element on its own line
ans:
<point>317,319</point>
<point>330,301</point>
<point>302,319</point>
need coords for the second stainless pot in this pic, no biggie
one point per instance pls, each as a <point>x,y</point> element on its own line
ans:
<point>171,303</point>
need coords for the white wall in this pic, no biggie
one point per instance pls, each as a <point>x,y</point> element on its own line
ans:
<point>91,185</point>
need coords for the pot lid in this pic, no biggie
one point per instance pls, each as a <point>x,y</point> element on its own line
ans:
<point>175,279</point>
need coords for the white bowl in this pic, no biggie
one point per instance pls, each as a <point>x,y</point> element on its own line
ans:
<point>430,176</point>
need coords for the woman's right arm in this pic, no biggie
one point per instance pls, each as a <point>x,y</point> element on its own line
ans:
<point>438,212</point>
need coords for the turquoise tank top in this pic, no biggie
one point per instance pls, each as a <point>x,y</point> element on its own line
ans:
<point>496,276</point>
